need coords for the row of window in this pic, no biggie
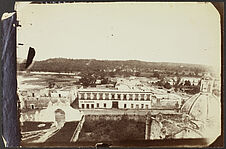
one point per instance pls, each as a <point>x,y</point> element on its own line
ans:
<point>59,95</point>
<point>113,96</point>
<point>136,99</point>
<point>88,106</point>
<point>132,106</point>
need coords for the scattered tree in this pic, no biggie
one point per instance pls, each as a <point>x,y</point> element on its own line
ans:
<point>167,85</point>
<point>187,83</point>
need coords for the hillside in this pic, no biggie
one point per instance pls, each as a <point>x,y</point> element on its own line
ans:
<point>81,65</point>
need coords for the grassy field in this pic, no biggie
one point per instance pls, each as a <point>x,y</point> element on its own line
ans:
<point>123,129</point>
<point>111,130</point>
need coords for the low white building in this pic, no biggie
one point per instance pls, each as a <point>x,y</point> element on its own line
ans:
<point>193,80</point>
<point>39,98</point>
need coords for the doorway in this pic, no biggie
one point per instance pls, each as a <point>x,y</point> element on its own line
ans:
<point>59,118</point>
<point>115,104</point>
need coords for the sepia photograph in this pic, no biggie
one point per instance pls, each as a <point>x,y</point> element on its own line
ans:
<point>118,74</point>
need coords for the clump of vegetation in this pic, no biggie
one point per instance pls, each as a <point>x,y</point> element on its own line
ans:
<point>112,130</point>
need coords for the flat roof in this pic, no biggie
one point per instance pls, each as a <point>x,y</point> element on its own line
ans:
<point>110,90</point>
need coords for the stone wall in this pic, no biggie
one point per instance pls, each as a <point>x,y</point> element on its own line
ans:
<point>141,118</point>
<point>78,129</point>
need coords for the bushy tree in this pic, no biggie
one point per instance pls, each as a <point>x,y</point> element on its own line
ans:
<point>87,80</point>
<point>104,81</point>
<point>187,83</point>
<point>137,74</point>
<point>167,85</point>
<point>156,74</point>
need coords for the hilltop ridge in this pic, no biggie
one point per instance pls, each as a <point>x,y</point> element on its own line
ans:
<point>75,65</point>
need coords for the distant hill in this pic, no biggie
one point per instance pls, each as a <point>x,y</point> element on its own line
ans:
<point>81,65</point>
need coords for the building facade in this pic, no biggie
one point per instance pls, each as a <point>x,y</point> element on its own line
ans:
<point>107,99</point>
<point>40,98</point>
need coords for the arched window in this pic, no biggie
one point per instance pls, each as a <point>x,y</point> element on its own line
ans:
<point>119,96</point>
<point>112,96</point>
<point>124,97</point>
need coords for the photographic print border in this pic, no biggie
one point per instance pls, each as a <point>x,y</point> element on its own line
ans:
<point>13,135</point>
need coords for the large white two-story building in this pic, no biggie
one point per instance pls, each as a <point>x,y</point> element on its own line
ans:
<point>94,98</point>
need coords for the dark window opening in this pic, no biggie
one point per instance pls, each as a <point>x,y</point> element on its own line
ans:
<point>92,106</point>
<point>82,96</point>
<point>94,96</point>
<point>32,106</point>
<point>105,105</point>
<point>124,105</point>
<point>115,104</point>
<point>142,97</point>
<point>59,95</point>
<point>101,96</point>
<point>87,106</point>
<point>136,97</point>
<point>97,105</point>
<point>83,106</point>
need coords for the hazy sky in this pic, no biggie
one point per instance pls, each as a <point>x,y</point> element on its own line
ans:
<point>162,32</point>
